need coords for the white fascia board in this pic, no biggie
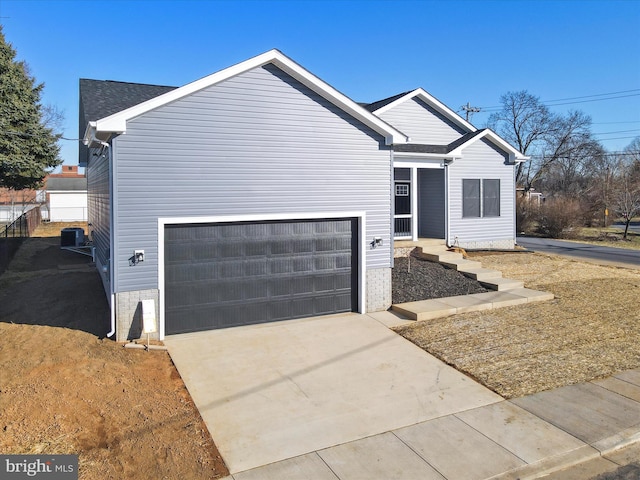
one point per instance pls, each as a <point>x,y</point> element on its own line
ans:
<point>431,101</point>
<point>514,155</point>
<point>117,123</point>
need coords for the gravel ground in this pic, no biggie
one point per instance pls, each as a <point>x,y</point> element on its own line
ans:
<point>425,280</point>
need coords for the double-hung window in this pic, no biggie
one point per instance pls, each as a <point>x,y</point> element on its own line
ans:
<point>480,198</point>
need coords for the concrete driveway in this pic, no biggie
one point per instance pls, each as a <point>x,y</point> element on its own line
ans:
<point>275,391</point>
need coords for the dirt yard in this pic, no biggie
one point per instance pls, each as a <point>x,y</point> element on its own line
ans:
<point>591,329</point>
<point>64,388</point>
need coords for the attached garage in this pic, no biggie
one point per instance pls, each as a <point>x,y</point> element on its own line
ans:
<point>225,274</point>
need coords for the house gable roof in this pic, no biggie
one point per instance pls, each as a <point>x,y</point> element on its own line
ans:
<point>381,106</point>
<point>99,129</point>
<point>466,140</point>
<point>101,98</point>
<point>372,107</point>
<point>454,149</point>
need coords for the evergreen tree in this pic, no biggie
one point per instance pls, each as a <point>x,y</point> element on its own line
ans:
<point>28,148</point>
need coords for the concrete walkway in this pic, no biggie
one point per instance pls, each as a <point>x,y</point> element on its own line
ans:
<point>343,397</point>
<point>444,307</point>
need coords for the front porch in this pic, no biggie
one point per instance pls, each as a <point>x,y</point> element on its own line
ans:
<point>420,204</point>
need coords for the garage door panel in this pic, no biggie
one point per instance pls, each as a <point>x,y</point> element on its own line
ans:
<point>221,275</point>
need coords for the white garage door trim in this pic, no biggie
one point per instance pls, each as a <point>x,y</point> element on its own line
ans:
<point>360,215</point>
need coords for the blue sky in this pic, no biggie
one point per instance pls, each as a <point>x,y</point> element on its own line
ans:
<point>459,51</point>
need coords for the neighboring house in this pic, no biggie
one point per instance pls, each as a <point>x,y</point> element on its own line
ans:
<point>66,195</point>
<point>261,193</point>
<point>14,203</point>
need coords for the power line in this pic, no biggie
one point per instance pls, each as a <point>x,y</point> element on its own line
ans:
<point>553,103</point>
<point>618,131</point>
<point>619,138</point>
<point>613,123</point>
<point>591,96</point>
<point>25,134</point>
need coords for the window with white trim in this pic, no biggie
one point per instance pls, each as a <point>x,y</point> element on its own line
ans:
<point>480,198</point>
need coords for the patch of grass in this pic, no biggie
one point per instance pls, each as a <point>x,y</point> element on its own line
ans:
<point>52,229</point>
<point>608,237</point>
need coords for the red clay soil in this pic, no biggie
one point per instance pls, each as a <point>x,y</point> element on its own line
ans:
<point>64,388</point>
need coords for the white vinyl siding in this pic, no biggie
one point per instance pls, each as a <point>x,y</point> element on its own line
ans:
<point>98,210</point>
<point>257,143</point>
<point>482,161</point>
<point>422,123</point>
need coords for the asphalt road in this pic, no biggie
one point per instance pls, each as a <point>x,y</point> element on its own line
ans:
<point>584,251</point>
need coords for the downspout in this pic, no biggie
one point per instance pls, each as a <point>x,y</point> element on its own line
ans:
<point>89,139</point>
<point>112,304</point>
<point>447,210</point>
<point>113,315</point>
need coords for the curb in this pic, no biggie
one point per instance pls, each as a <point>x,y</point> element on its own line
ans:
<point>572,458</point>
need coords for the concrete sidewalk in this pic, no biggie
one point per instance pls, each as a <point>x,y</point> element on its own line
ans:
<point>521,439</point>
<point>343,397</point>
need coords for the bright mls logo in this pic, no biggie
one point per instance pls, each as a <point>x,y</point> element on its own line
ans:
<point>51,467</point>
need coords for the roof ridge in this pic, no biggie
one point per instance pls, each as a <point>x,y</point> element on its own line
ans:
<point>127,83</point>
<point>385,101</point>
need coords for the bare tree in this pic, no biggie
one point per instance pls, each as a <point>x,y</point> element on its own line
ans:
<point>627,198</point>
<point>525,123</point>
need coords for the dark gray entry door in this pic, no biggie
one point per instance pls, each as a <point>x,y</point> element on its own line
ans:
<point>229,274</point>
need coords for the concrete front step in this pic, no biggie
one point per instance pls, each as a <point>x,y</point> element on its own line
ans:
<point>439,256</point>
<point>462,265</point>
<point>501,284</point>
<point>480,274</point>
<point>444,307</point>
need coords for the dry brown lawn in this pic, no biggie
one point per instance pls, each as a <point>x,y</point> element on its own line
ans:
<point>590,330</point>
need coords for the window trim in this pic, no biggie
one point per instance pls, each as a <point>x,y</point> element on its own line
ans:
<point>479,201</point>
<point>486,200</point>
<point>476,184</point>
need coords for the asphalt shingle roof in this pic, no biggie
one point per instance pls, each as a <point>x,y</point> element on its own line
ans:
<point>372,107</point>
<point>66,184</point>
<point>101,98</point>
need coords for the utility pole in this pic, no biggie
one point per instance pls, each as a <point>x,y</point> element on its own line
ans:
<point>469,110</point>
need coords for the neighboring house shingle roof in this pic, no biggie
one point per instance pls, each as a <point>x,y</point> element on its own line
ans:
<point>66,184</point>
<point>101,98</point>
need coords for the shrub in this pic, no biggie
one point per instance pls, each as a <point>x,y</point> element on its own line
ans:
<point>526,214</point>
<point>558,217</point>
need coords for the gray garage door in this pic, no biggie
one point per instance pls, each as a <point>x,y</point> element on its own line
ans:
<point>229,274</point>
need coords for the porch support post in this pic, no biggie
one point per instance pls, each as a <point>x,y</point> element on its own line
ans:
<point>414,203</point>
